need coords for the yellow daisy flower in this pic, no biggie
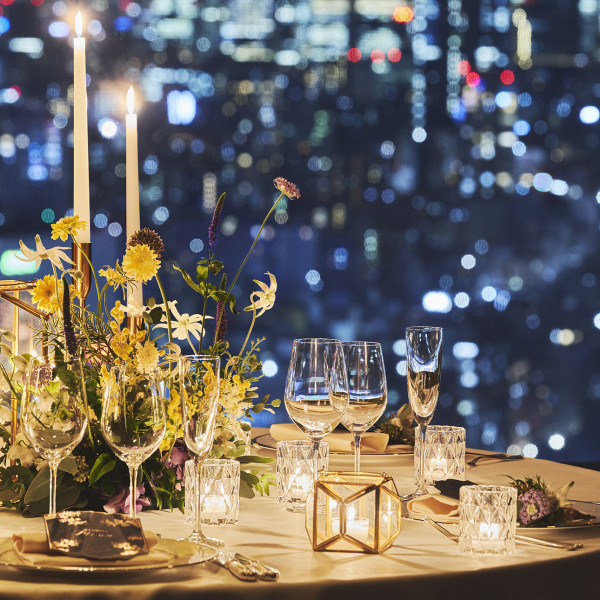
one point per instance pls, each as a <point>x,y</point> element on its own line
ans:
<point>43,294</point>
<point>67,226</point>
<point>141,263</point>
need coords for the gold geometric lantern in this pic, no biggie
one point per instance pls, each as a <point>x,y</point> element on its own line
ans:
<point>353,512</point>
<point>20,318</point>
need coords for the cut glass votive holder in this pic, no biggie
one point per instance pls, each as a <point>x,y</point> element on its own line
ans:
<point>295,471</point>
<point>219,491</point>
<point>444,453</point>
<point>488,519</point>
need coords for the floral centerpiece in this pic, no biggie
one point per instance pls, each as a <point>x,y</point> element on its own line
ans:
<point>540,505</point>
<point>92,476</point>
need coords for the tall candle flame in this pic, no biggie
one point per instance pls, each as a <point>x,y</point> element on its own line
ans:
<point>130,100</point>
<point>78,25</point>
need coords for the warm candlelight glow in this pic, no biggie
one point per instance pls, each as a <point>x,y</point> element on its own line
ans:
<point>130,100</point>
<point>78,25</point>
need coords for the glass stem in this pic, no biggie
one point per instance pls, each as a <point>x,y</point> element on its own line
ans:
<point>197,507</point>
<point>423,435</point>
<point>53,466</point>
<point>133,470</point>
<point>315,457</point>
<point>357,438</point>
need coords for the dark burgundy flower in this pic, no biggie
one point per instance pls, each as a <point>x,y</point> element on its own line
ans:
<point>150,238</point>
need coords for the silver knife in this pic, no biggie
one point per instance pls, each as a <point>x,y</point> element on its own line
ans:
<point>242,571</point>
<point>264,572</point>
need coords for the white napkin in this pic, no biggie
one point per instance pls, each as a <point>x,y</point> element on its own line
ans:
<point>32,547</point>
<point>338,441</point>
<point>440,508</point>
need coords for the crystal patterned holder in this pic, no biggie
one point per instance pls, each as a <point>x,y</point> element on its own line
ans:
<point>444,453</point>
<point>488,519</point>
<point>219,494</point>
<point>295,471</point>
<point>220,491</point>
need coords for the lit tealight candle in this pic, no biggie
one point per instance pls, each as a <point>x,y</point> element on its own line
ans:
<point>81,173</point>
<point>214,505</point>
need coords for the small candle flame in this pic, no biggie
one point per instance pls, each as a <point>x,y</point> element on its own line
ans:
<point>130,100</point>
<point>78,25</point>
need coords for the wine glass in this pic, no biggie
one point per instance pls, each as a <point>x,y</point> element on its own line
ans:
<point>423,373</point>
<point>133,418</point>
<point>199,377</point>
<point>367,390</point>
<point>316,389</point>
<point>54,413</point>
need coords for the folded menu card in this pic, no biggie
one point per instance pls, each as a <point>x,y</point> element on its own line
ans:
<point>439,508</point>
<point>338,441</point>
<point>85,538</point>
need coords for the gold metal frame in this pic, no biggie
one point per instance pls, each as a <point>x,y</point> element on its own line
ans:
<point>10,290</point>
<point>380,485</point>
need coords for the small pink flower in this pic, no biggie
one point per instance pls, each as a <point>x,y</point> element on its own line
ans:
<point>120,501</point>
<point>287,187</point>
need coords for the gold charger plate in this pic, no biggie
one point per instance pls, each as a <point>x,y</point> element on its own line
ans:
<point>266,440</point>
<point>180,553</point>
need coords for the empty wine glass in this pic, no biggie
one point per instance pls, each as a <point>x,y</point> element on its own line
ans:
<point>367,389</point>
<point>54,413</point>
<point>316,389</point>
<point>199,377</point>
<point>133,418</point>
<point>423,373</point>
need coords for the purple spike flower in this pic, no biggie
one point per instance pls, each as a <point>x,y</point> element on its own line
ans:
<point>221,319</point>
<point>70,339</point>
<point>214,224</point>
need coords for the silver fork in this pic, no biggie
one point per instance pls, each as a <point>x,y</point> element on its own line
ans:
<point>519,538</point>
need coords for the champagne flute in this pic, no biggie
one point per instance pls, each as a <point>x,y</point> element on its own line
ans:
<point>423,373</point>
<point>367,388</point>
<point>54,413</point>
<point>199,378</point>
<point>133,418</point>
<point>316,389</point>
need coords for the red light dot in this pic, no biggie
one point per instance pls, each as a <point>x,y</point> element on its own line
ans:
<point>377,56</point>
<point>403,14</point>
<point>463,67</point>
<point>37,2</point>
<point>473,79</point>
<point>354,55</point>
<point>7,2</point>
<point>394,55</point>
<point>507,77</point>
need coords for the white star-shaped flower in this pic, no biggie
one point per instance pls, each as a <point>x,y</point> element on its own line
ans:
<point>54,255</point>
<point>184,324</point>
<point>264,300</point>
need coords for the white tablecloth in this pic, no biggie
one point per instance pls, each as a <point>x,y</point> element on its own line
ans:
<point>422,563</point>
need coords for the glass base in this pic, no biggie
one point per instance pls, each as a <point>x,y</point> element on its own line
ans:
<point>200,538</point>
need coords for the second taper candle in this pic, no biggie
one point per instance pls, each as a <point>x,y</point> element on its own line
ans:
<point>132,186</point>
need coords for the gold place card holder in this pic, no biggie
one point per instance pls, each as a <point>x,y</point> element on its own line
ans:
<point>353,512</point>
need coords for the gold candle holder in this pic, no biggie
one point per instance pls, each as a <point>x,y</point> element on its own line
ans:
<point>353,512</point>
<point>134,324</point>
<point>82,264</point>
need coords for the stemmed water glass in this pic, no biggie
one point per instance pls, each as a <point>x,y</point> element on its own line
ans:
<point>54,413</point>
<point>133,418</point>
<point>199,377</point>
<point>316,389</point>
<point>423,373</point>
<point>367,389</point>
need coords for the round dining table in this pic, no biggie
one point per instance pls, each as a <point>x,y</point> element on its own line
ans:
<point>421,564</point>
